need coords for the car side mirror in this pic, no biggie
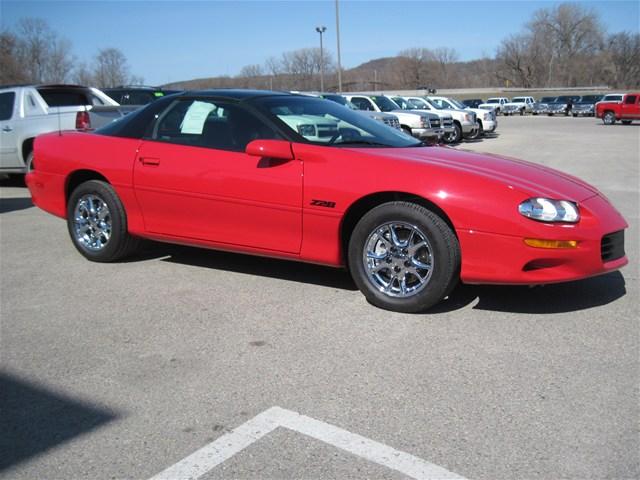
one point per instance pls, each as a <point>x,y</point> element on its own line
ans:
<point>279,149</point>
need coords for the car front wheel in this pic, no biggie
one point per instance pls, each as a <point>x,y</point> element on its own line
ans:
<point>609,118</point>
<point>97,223</point>
<point>403,257</point>
<point>455,136</point>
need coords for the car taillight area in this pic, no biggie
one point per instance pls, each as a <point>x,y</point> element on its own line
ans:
<point>83,121</point>
<point>612,246</point>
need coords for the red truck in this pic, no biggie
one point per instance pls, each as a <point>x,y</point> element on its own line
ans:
<point>619,106</point>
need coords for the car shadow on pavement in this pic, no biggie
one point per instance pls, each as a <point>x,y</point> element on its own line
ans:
<point>249,264</point>
<point>12,181</point>
<point>34,419</point>
<point>13,204</point>
<point>555,298</point>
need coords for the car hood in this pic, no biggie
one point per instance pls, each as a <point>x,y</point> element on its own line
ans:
<point>529,178</point>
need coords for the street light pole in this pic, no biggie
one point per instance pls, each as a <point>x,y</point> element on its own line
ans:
<point>338,39</point>
<point>321,30</point>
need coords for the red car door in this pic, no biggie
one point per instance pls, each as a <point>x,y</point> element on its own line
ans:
<point>631,107</point>
<point>193,180</point>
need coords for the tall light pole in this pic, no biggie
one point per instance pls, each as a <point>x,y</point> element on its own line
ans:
<point>338,39</point>
<point>321,30</point>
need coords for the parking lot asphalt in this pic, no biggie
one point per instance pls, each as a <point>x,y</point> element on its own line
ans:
<point>123,370</point>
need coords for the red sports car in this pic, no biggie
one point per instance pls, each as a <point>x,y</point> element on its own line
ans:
<point>302,178</point>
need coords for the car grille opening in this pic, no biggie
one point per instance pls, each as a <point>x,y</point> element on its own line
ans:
<point>612,246</point>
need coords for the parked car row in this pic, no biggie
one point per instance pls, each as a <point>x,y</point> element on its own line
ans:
<point>611,107</point>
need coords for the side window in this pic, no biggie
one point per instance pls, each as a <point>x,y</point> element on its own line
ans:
<point>631,99</point>
<point>6,105</point>
<point>210,124</point>
<point>362,103</point>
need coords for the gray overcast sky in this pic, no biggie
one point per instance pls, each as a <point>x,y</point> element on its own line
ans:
<point>179,40</point>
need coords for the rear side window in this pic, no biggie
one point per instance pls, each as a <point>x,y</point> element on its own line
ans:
<point>65,97</point>
<point>362,103</point>
<point>7,101</point>
<point>630,99</point>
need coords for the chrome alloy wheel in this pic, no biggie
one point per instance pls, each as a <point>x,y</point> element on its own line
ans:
<point>398,259</point>
<point>92,222</point>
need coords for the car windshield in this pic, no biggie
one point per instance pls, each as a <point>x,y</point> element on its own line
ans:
<point>339,99</point>
<point>612,98</point>
<point>563,99</point>
<point>590,98</point>
<point>493,100</point>
<point>385,104</point>
<point>418,104</point>
<point>518,100</point>
<point>457,104</point>
<point>322,122</point>
<point>402,103</point>
<point>434,104</point>
<point>547,99</point>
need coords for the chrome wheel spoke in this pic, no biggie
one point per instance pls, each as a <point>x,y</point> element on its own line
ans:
<point>398,259</point>
<point>92,222</point>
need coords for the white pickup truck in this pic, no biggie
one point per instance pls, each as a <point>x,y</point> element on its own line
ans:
<point>495,104</point>
<point>28,111</point>
<point>518,105</point>
<point>486,120</point>
<point>464,122</point>
<point>423,126</point>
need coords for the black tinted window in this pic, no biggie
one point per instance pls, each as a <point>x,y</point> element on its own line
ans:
<point>66,98</point>
<point>211,124</point>
<point>630,99</point>
<point>135,124</point>
<point>6,105</point>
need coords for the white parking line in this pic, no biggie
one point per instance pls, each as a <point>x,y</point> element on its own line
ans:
<point>213,454</point>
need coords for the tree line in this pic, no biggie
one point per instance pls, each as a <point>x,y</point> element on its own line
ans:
<point>34,53</point>
<point>561,46</point>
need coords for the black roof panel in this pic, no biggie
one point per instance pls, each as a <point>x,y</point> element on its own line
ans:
<point>235,94</point>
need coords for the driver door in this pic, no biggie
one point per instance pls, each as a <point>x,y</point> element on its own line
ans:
<point>193,179</point>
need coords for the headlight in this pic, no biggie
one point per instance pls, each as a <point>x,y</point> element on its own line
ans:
<point>467,117</point>
<point>307,130</point>
<point>486,116</point>
<point>424,122</point>
<point>547,210</point>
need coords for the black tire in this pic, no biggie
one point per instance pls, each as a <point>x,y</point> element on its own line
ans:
<point>574,115</point>
<point>475,133</point>
<point>455,136</point>
<point>521,112</point>
<point>609,118</point>
<point>119,244</point>
<point>28,162</point>
<point>626,122</point>
<point>444,250</point>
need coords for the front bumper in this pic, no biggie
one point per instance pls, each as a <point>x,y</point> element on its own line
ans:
<point>468,127</point>
<point>505,259</point>
<point>427,133</point>
<point>489,126</point>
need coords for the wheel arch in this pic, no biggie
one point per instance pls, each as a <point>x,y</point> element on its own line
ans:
<point>364,204</point>
<point>27,147</point>
<point>77,178</point>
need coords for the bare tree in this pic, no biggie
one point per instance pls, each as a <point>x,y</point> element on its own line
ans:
<point>445,56</point>
<point>46,57</point>
<point>12,70</point>
<point>416,67</point>
<point>82,74</point>
<point>624,52</point>
<point>111,68</point>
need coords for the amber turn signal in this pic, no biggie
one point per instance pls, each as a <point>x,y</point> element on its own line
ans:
<point>540,243</point>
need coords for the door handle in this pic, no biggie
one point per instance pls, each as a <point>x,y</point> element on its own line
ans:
<point>7,128</point>
<point>149,161</point>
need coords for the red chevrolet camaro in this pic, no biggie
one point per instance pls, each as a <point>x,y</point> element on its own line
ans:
<point>302,178</point>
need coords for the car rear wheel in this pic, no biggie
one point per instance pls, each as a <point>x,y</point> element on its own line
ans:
<point>609,118</point>
<point>97,223</point>
<point>521,111</point>
<point>455,136</point>
<point>404,257</point>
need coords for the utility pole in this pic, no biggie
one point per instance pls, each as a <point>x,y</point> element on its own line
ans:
<point>321,30</point>
<point>338,40</point>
